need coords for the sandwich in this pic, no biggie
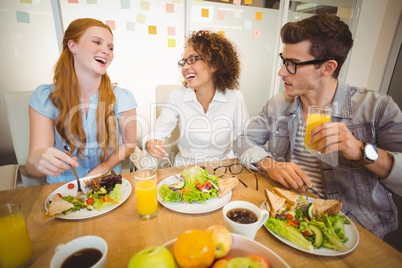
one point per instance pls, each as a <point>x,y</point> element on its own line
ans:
<point>227,184</point>
<point>275,202</point>
<point>321,206</point>
<point>57,207</point>
<point>290,197</point>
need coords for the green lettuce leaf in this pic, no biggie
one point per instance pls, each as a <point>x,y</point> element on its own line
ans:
<point>289,232</point>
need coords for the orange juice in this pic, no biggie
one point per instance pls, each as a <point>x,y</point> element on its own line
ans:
<point>147,203</point>
<point>314,120</point>
<point>15,244</point>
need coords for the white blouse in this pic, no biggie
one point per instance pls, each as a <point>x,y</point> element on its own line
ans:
<point>203,136</point>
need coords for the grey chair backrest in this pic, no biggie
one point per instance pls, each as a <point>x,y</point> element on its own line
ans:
<point>162,93</point>
<point>17,107</point>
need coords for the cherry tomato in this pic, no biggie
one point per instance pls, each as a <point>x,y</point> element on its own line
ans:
<point>70,186</point>
<point>209,185</point>
<point>306,233</point>
<point>90,201</point>
<point>59,195</point>
<point>289,216</point>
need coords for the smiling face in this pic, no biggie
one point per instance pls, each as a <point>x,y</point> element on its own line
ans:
<point>306,80</point>
<point>94,51</point>
<point>198,75</point>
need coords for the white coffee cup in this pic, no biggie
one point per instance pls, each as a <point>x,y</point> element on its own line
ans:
<point>248,230</point>
<point>63,251</point>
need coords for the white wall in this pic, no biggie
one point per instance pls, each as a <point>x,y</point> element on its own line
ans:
<point>374,36</point>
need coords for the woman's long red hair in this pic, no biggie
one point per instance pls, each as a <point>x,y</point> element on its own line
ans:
<point>66,98</point>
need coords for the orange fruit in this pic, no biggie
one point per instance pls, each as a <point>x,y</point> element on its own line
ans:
<point>194,248</point>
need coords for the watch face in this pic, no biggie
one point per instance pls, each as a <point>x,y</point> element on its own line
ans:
<point>371,152</point>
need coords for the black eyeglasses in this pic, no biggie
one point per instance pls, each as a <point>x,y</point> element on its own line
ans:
<point>190,60</point>
<point>234,169</point>
<point>291,66</point>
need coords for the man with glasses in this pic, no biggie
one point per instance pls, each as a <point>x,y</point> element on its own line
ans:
<point>358,156</point>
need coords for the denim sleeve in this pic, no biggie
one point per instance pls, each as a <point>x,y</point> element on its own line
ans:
<point>389,138</point>
<point>248,147</point>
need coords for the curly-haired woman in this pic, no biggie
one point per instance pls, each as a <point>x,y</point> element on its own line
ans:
<point>82,110</point>
<point>210,109</point>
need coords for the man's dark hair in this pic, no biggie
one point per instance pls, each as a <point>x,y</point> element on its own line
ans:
<point>328,35</point>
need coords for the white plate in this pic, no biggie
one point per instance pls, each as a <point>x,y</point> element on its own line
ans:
<point>351,233</point>
<point>195,207</point>
<point>243,246</point>
<point>84,213</point>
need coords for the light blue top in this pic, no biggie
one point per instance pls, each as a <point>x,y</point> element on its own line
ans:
<point>41,102</point>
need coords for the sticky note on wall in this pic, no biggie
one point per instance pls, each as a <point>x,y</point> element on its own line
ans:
<point>169,8</point>
<point>22,17</point>
<point>112,24</point>
<point>222,33</point>
<point>152,29</point>
<point>248,2</point>
<point>257,34</point>
<point>125,4</point>
<point>258,15</point>
<point>204,13</point>
<point>171,42</point>
<point>140,18</point>
<point>73,1</point>
<point>171,30</point>
<point>221,15</point>
<point>144,5</point>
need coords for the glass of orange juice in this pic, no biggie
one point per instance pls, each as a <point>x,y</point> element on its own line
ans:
<point>145,185</point>
<point>15,244</point>
<point>316,115</point>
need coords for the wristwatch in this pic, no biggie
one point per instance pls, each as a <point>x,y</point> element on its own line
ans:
<point>370,154</point>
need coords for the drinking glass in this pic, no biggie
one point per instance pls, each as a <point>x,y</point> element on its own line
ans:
<point>145,185</point>
<point>316,115</point>
<point>15,244</point>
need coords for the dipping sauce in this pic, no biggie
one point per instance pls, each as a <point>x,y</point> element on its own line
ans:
<point>242,215</point>
<point>83,258</point>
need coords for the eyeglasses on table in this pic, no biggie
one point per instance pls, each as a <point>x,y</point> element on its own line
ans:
<point>234,169</point>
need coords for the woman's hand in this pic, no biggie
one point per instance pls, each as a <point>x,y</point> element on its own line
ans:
<point>50,161</point>
<point>286,173</point>
<point>156,148</point>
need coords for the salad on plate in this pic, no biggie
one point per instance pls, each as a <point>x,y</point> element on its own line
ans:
<point>103,191</point>
<point>310,225</point>
<point>197,186</point>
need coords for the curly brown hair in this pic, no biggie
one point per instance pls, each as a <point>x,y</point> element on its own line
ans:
<point>218,53</point>
<point>328,35</point>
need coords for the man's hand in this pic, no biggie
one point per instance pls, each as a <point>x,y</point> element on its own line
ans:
<point>335,136</point>
<point>286,173</point>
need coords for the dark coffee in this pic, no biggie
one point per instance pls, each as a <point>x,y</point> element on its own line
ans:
<point>242,215</point>
<point>83,258</point>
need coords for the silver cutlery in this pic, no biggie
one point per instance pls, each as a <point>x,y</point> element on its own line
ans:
<point>80,194</point>
<point>171,167</point>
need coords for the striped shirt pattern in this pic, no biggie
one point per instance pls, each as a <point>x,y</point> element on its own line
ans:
<point>307,161</point>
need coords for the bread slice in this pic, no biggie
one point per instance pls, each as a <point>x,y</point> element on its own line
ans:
<point>227,184</point>
<point>57,206</point>
<point>275,202</point>
<point>291,197</point>
<point>321,206</point>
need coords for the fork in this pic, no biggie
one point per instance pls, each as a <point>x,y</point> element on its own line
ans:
<point>80,194</point>
<point>174,174</point>
<point>314,192</point>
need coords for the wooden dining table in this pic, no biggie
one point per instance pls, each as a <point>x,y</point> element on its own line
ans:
<point>126,234</point>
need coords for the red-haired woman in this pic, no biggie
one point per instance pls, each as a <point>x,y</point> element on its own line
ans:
<point>82,110</point>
